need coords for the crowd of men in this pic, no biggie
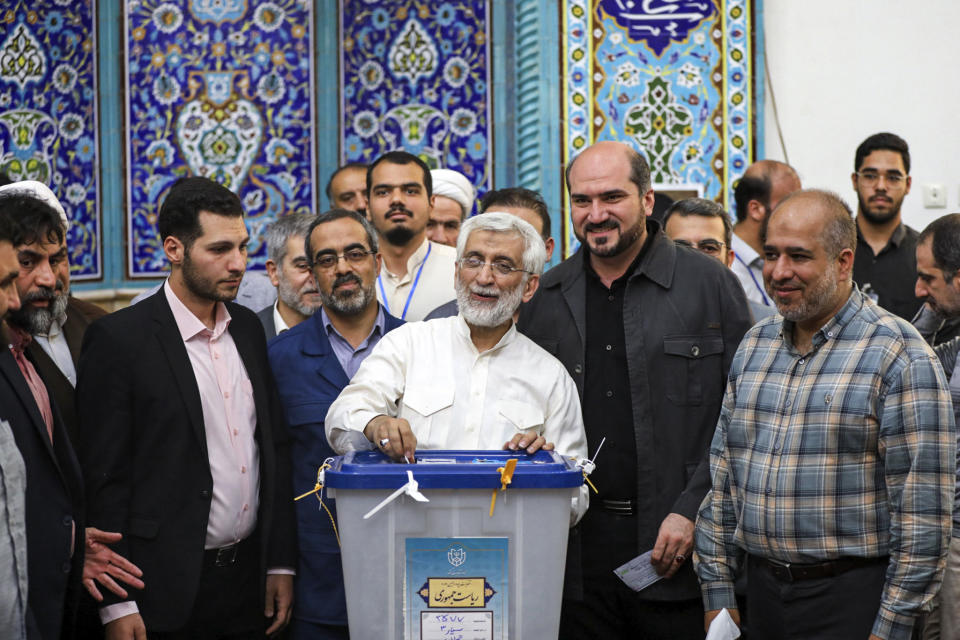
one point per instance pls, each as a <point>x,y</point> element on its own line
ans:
<point>778,433</point>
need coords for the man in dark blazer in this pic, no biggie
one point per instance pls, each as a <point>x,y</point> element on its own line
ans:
<point>312,363</point>
<point>54,486</point>
<point>647,330</point>
<point>184,446</point>
<point>288,270</point>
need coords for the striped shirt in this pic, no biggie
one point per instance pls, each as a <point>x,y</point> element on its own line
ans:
<point>847,450</point>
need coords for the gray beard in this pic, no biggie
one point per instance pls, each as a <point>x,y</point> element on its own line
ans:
<point>291,297</point>
<point>351,304</point>
<point>38,320</point>
<point>485,315</point>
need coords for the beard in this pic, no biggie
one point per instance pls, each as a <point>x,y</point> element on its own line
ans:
<point>488,314</point>
<point>38,320</point>
<point>294,298</point>
<point>398,235</point>
<point>814,298</point>
<point>348,303</point>
<point>203,288</point>
<point>879,217</point>
<point>626,239</point>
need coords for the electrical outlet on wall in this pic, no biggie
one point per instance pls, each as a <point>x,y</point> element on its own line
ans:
<point>934,196</point>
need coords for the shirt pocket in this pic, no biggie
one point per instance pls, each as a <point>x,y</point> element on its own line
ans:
<point>421,403</point>
<point>689,359</point>
<point>522,416</point>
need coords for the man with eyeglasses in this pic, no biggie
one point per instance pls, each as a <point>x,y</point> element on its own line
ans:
<point>312,363</point>
<point>647,331</point>
<point>885,266</point>
<point>702,224</point>
<point>289,272</point>
<point>471,381</point>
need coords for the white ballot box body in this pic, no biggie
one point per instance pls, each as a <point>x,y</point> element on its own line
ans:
<point>445,568</point>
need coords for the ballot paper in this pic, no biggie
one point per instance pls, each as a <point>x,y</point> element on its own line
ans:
<point>723,627</point>
<point>638,574</point>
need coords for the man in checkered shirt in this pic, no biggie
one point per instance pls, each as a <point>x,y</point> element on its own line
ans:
<point>833,463</point>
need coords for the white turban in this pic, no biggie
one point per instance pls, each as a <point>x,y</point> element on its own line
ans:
<point>39,191</point>
<point>454,185</point>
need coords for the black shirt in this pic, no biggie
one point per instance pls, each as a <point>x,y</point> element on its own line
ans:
<point>891,274</point>
<point>607,403</point>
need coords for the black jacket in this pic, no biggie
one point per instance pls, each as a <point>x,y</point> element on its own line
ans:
<point>684,315</point>
<point>144,452</point>
<point>54,500</point>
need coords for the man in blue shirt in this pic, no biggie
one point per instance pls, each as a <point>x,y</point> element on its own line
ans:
<point>312,362</point>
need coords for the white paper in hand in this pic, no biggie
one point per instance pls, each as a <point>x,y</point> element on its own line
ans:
<point>723,627</point>
<point>638,574</point>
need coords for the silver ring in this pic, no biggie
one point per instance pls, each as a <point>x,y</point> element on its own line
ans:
<point>680,558</point>
<point>384,442</point>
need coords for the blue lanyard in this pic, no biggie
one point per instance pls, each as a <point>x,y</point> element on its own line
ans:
<point>763,294</point>
<point>413,288</point>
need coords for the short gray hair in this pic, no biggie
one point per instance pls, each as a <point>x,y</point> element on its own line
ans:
<point>534,251</point>
<point>282,229</point>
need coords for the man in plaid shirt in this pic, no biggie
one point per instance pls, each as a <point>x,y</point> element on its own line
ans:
<point>833,463</point>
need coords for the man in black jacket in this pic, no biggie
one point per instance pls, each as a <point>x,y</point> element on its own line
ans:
<point>647,329</point>
<point>184,446</point>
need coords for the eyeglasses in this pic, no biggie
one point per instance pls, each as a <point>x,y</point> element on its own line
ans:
<point>499,267</point>
<point>709,246</point>
<point>353,256</point>
<point>892,178</point>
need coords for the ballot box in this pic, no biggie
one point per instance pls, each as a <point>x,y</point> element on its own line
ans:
<point>432,563</point>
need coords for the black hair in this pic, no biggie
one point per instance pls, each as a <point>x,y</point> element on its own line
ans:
<point>337,214</point>
<point>33,220</point>
<point>882,142</point>
<point>518,197</point>
<point>751,188</point>
<point>401,157</point>
<point>180,213</point>
<point>701,207</point>
<point>945,243</point>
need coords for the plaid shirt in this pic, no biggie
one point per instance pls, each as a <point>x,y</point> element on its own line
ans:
<point>847,450</point>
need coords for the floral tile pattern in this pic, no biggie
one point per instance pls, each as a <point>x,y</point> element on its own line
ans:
<point>48,113</point>
<point>223,89</point>
<point>416,75</point>
<point>670,77</point>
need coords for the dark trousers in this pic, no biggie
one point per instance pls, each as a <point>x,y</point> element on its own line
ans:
<point>832,608</point>
<point>228,604</point>
<point>610,609</point>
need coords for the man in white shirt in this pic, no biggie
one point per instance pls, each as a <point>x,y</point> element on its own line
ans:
<point>289,271</point>
<point>763,185</point>
<point>470,381</point>
<point>417,274</point>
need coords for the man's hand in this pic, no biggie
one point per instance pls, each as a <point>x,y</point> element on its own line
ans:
<point>126,628</point>
<point>102,564</point>
<point>673,546</point>
<point>395,435</point>
<point>710,615</point>
<point>279,601</point>
<point>528,440</point>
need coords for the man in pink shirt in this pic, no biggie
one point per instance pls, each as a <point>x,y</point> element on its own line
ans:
<point>185,450</point>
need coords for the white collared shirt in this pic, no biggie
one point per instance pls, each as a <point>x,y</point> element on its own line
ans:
<point>433,288</point>
<point>54,344</point>
<point>748,267</point>
<point>279,324</point>
<point>454,397</point>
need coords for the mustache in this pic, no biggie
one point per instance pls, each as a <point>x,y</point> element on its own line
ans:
<point>399,209</point>
<point>346,278</point>
<point>43,293</point>
<point>606,225</point>
<point>493,292</point>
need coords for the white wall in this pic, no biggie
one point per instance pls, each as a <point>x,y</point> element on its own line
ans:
<point>845,69</point>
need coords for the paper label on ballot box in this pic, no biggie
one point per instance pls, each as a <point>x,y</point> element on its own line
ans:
<point>456,588</point>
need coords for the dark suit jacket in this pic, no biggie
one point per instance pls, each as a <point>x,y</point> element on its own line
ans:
<point>310,378</point>
<point>144,451</point>
<point>54,501</point>
<point>266,319</point>
<point>683,316</point>
<point>79,316</point>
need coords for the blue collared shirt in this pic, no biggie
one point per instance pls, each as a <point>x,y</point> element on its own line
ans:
<point>349,357</point>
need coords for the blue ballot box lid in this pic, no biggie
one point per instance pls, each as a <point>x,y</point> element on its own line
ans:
<point>440,469</point>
